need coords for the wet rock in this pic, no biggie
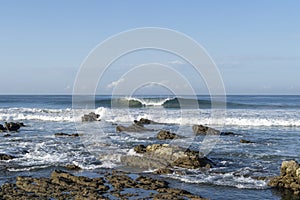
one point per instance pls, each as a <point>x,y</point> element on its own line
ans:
<point>72,167</point>
<point>12,126</point>
<point>120,181</point>
<point>90,117</point>
<point>2,128</point>
<point>245,141</point>
<point>140,148</point>
<point>228,133</point>
<point>163,155</point>
<point>66,135</point>
<point>6,135</point>
<point>203,130</point>
<point>166,135</point>
<point>63,185</point>
<point>132,128</point>
<point>289,178</point>
<point>6,156</point>
<point>144,121</point>
<point>149,183</point>
<point>165,170</point>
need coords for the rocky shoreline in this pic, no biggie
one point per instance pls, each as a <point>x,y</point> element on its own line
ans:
<point>162,157</point>
<point>109,185</point>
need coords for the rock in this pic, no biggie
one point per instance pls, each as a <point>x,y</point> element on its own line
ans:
<point>63,185</point>
<point>72,167</point>
<point>6,135</point>
<point>140,148</point>
<point>163,155</point>
<point>132,128</point>
<point>203,130</point>
<point>2,128</point>
<point>166,135</point>
<point>165,170</point>
<point>90,117</point>
<point>66,134</point>
<point>245,141</point>
<point>12,127</point>
<point>228,133</point>
<point>289,178</point>
<point>6,156</point>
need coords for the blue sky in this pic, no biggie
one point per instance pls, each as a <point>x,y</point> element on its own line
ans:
<point>255,44</point>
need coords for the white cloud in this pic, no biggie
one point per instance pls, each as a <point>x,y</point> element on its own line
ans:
<point>115,83</point>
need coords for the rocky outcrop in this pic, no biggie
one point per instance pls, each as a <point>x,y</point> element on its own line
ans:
<point>158,156</point>
<point>132,128</point>
<point>63,185</point>
<point>6,156</point>
<point>203,130</point>
<point>166,135</point>
<point>289,177</point>
<point>66,135</point>
<point>11,126</point>
<point>91,117</point>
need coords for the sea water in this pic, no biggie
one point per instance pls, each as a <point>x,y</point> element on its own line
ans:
<point>272,123</point>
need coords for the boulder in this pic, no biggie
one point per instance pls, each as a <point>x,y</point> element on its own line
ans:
<point>203,130</point>
<point>72,167</point>
<point>289,178</point>
<point>159,156</point>
<point>166,135</point>
<point>91,117</point>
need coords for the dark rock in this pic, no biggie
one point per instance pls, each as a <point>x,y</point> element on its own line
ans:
<point>228,133</point>
<point>2,128</point>
<point>66,134</point>
<point>289,178</point>
<point>6,156</point>
<point>132,128</point>
<point>174,193</point>
<point>12,127</point>
<point>166,135</point>
<point>203,130</point>
<point>140,148</point>
<point>165,170</point>
<point>6,135</point>
<point>21,124</point>
<point>72,167</point>
<point>245,141</point>
<point>90,117</point>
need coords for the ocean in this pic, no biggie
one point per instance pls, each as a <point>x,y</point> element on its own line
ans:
<point>271,123</point>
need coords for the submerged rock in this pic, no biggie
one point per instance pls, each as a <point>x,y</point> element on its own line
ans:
<point>132,128</point>
<point>203,130</point>
<point>289,177</point>
<point>91,117</point>
<point>157,156</point>
<point>245,141</point>
<point>66,134</point>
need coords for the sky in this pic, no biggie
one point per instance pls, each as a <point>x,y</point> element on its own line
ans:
<point>255,44</point>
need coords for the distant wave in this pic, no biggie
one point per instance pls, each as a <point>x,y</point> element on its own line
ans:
<point>183,102</point>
